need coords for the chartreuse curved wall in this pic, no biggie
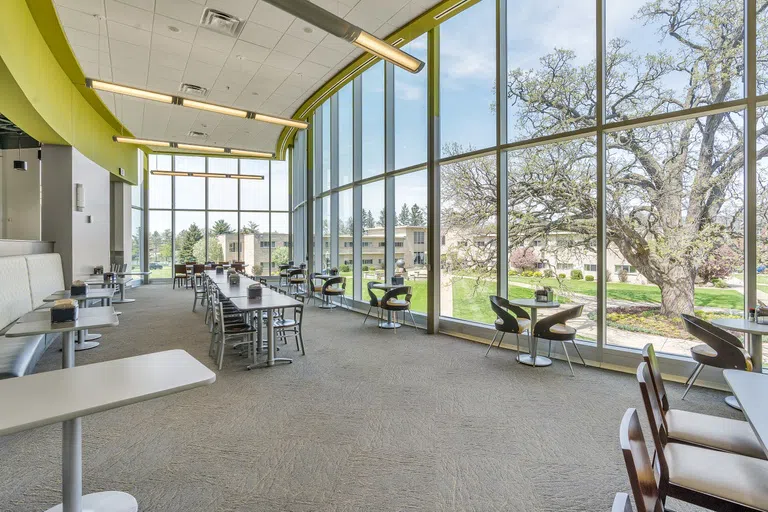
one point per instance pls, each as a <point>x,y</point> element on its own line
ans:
<point>42,89</point>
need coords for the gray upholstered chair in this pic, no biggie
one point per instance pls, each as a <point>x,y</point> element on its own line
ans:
<point>728,435</point>
<point>506,322</point>
<point>720,349</point>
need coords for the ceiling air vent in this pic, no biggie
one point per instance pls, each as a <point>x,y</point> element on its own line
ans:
<point>197,135</point>
<point>222,22</point>
<point>193,90</point>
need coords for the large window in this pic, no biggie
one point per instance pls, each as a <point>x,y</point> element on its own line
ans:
<point>346,238</point>
<point>411,110</point>
<point>189,192</point>
<point>345,134</point>
<point>467,80</point>
<point>411,235</point>
<point>372,219</point>
<point>222,191</point>
<point>137,218</point>
<point>255,243</point>
<point>189,236</point>
<point>254,194</point>
<point>326,145</point>
<point>373,120</point>
<point>160,244</point>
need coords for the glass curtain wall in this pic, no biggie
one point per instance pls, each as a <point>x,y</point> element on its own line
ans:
<point>657,146</point>
<point>218,219</point>
<point>137,219</point>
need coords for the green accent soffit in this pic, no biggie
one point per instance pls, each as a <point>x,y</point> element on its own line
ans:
<point>408,32</point>
<point>42,89</point>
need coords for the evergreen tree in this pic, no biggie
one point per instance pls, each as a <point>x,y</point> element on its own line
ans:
<point>367,219</point>
<point>382,218</point>
<point>251,228</point>
<point>221,227</point>
<point>404,217</point>
<point>418,216</point>
<point>186,240</point>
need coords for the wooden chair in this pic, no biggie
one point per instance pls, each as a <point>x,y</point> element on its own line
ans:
<point>720,349</point>
<point>506,322</point>
<point>391,301</point>
<point>639,469</point>
<point>707,478</point>
<point>373,301</point>
<point>554,328</point>
<point>725,434</point>
<point>180,274</point>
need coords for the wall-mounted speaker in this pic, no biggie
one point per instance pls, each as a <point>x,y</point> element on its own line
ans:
<point>20,165</point>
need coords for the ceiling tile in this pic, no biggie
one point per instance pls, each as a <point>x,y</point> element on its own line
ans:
<point>303,30</point>
<point>231,80</point>
<point>277,102</point>
<point>165,73</point>
<point>239,63</point>
<point>182,10</point>
<point>250,51</point>
<point>340,9</point>
<point>325,56</point>
<point>174,29</point>
<point>214,40</point>
<point>223,97</point>
<point>91,56</point>
<point>147,5</point>
<point>337,43</point>
<point>294,46</point>
<point>130,76</point>
<point>109,100</point>
<point>201,74</point>
<point>312,69</point>
<point>267,72</point>
<point>79,20</point>
<point>270,16</point>
<point>208,56</point>
<point>120,32</point>
<point>384,31</point>
<point>240,8</point>
<point>86,6</point>
<point>170,45</point>
<point>282,61</point>
<point>169,60</point>
<point>260,35</point>
<point>129,15</point>
<point>92,70</point>
<point>159,84</point>
<point>87,39</point>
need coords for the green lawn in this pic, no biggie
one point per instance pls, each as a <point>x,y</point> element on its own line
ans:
<point>709,297</point>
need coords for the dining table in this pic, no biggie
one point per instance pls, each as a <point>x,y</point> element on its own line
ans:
<point>85,341</point>
<point>389,324</point>
<point>532,359</point>
<point>750,390</point>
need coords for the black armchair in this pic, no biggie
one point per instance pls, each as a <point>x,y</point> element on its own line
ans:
<point>334,287</point>
<point>373,300</point>
<point>506,322</point>
<point>554,328</point>
<point>720,349</point>
<point>391,301</point>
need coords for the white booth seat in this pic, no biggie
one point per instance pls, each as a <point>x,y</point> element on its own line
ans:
<point>24,282</point>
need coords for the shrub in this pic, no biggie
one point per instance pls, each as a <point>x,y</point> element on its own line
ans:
<point>514,272</point>
<point>623,275</point>
<point>719,283</point>
<point>345,268</point>
<point>589,277</point>
<point>526,273</point>
<point>537,274</point>
<point>365,268</point>
<point>523,258</point>
<point>561,276</point>
<point>548,273</point>
<point>719,264</point>
<point>577,275</point>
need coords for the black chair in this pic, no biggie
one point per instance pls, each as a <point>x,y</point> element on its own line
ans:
<point>283,280</point>
<point>506,322</point>
<point>392,302</point>
<point>373,301</point>
<point>720,349</point>
<point>297,279</point>
<point>334,287</point>
<point>554,328</point>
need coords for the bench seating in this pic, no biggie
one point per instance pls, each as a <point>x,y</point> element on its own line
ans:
<point>26,281</point>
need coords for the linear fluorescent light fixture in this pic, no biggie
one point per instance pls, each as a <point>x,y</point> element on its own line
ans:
<point>319,17</point>
<point>450,10</point>
<point>207,175</point>
<point>194,147</point>
<point>199,105</point>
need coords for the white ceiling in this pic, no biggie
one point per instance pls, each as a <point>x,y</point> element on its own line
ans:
<point>273,67</point>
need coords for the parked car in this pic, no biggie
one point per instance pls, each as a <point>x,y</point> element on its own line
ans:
<point>155,266</point>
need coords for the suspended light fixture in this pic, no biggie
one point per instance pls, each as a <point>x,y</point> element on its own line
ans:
<point>319,17</point>
<point>169,173</point>
<point>194,147</point>
<point>207,175</point>
<point>198,105</point>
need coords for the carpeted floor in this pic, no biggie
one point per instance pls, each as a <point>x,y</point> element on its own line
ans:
<point>368,420</point>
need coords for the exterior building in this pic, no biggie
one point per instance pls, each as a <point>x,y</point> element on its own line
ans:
<point>254,250</point>
<point>410,246</point>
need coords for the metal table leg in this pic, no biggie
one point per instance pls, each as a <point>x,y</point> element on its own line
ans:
<point>86,341</point>
<point>531,359</point>
<point>122,299</point>
<point>271,359</point>
<point>389,324</point>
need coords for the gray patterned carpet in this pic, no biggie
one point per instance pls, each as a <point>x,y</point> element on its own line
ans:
<point>368,420</point>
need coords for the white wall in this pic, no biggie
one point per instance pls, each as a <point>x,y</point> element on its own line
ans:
<point>20,196</point>
<point>82,244</point>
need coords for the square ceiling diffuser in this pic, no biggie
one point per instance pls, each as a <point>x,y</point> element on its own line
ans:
<point>222,22</point>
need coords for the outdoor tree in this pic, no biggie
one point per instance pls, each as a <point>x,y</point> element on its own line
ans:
<point>215,251</point>
<point>280,256</point>
<point>368,221</point>
<point>250,228</point>
<point>673,189</point>
<point>719,264</point>
<point>347,227</point>
<point>186,240</point>
<point>404,217</point>
<point>221,227</point>
<point>382,218</point>
<point>418,216</point>
<point>523,258</point>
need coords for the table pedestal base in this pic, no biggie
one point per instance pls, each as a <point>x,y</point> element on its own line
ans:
<point>123,301</point>
<point>327,305</point>
<point>108,501</point>
<point>267,364</point>
<point>527,359</point>
<point>86,345</point>
<point>731,400</point>
<point>389,325</point>
<point>92,337</point>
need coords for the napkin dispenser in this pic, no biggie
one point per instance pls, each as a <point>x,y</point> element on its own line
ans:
<point>234,278</point>
<point>219,269</point>
<point>398,280</point>
<point>78,288</point>
<point>98,270</point>
<point>543,295</point>
<point>64,310</point>
<point>254,291</point>
<point>109,277</point>
<point>334,271</point>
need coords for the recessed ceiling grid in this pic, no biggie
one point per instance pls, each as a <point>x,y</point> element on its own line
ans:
<point>274,65</point>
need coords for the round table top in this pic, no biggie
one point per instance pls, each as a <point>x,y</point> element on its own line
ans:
<point>385,286</point>
<point>324,276</point>
<point>740,325</point>
<point>533,303</point>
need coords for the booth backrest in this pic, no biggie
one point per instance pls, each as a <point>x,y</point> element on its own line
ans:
<point>25,281</point>
<point>45,276</point>
<point>15,294</point>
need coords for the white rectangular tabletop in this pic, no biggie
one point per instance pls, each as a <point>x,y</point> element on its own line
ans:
<point>92,293</point>
<point>751,390</point>
<point>40,322</point>
<point>83,313</point>
<point>118,280</point>
<point>268,300</point>
<point>51,397</point>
